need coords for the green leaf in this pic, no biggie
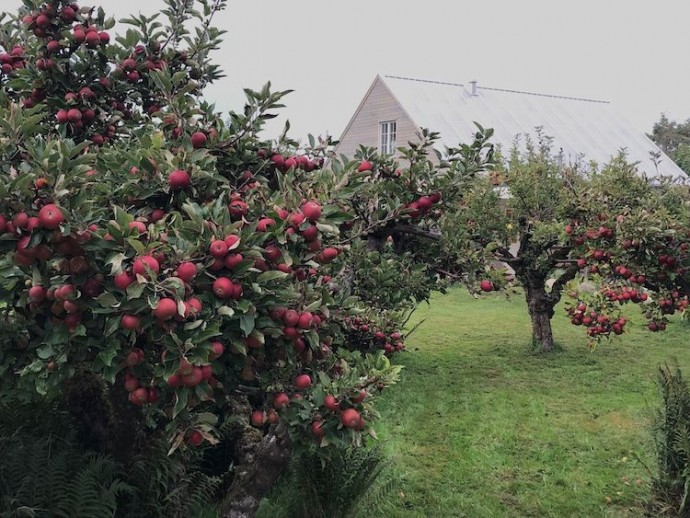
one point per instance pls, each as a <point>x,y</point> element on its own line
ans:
<point>181,398</point>
<point>193,325</point>
<point>135,290</point>
<point>115,262</point>
<point>226,311</point>
<point>107,300</point>
<point>108,355</point>
<point>271,275</point>
<point>137,245</point>
<point>207,418</point>
<point>247,323</point>
<point>45,351</point>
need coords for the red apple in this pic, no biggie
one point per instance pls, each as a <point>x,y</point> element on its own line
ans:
<point>297,218</point>
<point>131,383</point>
<point>186,271</point>
<point>281,400</point>
<point>37,294</point>
<point>365,165</point>
<point>310,234</point>
<point>237,208</point>
<point>306,320</point>
<point>232,260</point>
<point>331,403</point>
<point>291,318</point>
<point>317,429</point>
<point>223,288</point>
<point>192,379</point>
<point>328,254</point>
<point>311,210</point>
<point>165,309</point>
<point>50,217</point>
<point>350,418</point>
<point>141,263</point>
<point>74,115</point>
<point>195,438</point>
<point>199,139</point>
<point>218,249</point>
<point>258,418</point>
<point>179,180</point>
<point>303,381</point>
<point>123,280</point>
<point>264,223</point>
<point>139,226</point>
<point>217,350</point>
<point>131,322</point>
<point>232,240</point>
<point>361,396</point>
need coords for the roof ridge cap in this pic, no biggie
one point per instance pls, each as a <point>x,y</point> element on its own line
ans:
<point>570,98</point>
<point>424,80</point>
<point>507,90</point>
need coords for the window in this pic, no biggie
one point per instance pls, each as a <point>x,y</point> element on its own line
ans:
<point>387,146</point>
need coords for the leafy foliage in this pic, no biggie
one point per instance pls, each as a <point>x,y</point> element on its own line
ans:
<point>171,274</point>
<point>45,473</point>
<point>674,139</point>
<point>671,484</point>
<point>345,483</point>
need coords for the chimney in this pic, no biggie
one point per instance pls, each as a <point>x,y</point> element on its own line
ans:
<point>473,92</point>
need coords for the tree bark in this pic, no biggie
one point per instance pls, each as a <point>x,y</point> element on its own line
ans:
<point>261,460</point>
<point>541,310</point>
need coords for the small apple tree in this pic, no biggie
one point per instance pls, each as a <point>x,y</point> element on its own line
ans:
<point>551,222</point>
<point>172,275</point>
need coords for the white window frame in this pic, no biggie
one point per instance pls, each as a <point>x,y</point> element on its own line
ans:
<point>387,136</point>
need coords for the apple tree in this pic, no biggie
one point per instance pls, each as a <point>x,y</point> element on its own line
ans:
<point>170,275</point>
<point>545,223</point>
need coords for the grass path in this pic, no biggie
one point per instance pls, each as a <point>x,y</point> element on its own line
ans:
<point>481,427</point>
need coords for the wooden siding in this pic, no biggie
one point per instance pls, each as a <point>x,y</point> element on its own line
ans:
<point>378,106</point>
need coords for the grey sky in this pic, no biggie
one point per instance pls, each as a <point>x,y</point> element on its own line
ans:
<point>633,53</point>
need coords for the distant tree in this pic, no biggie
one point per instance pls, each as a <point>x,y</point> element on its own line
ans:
<point>553,222</point>
<point>674,139</point>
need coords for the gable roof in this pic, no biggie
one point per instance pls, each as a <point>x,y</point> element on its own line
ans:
<point>585,128</point>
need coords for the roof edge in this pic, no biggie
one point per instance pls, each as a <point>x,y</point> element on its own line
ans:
<point>506,90</point>
<point>359,108</point>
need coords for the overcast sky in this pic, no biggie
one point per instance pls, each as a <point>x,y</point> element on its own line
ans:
<point>633,53</point>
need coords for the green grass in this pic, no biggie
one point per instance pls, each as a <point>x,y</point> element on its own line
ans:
<point>481,426</point>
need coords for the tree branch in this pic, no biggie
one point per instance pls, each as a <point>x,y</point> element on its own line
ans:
<point>560,283</point>
<point>525,239</point>
<point>416,231</point>
<point>504,255</point>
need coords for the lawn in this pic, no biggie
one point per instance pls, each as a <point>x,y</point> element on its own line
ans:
<point>480,426</point>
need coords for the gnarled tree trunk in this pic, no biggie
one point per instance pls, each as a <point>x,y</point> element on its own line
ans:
<point>260,461</point>
<point>540,306</point>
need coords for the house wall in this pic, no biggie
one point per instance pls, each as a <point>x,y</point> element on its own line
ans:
<point>377,107</point>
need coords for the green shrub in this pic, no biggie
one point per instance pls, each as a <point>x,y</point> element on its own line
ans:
<point>671,485</point>
<point>46,471</point>
<point>342,483</point>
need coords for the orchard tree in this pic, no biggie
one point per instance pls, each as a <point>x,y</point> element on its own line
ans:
<point>169,275</point>
<point>547,223</point>
<point>674,139</point>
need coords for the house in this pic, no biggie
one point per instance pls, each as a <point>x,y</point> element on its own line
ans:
<point>395,108</point>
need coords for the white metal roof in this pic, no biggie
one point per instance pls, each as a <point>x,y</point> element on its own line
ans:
<point>592,130</point>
